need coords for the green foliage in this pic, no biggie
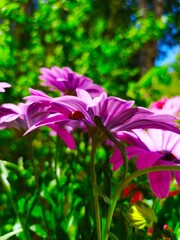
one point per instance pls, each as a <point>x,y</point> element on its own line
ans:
<point>156,83</point>
<point>78,34</point>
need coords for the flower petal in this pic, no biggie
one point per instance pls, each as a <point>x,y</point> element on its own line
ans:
<point>177,177</point>
<point>47,121</point>
<point>144,158</point>
<point>143,118</point>
<point>157,136</point>
<point>145,139</point>
<point>160,183</point>
<point>116,159</point>
<point>4,85</point>
<point>66,137</point>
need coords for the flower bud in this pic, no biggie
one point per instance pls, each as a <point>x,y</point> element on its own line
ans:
<point>139,215</point>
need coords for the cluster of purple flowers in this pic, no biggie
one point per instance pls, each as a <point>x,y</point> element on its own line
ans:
<point>81,100</point>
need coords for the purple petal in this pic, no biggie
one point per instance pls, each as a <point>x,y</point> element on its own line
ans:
<point>145,139</point>
<point>157,137</point>
<point>117,111</point>
<point>97,103</point>
<point>148,120</point>
<point>52,119</point>
<point>4,85</point>
<point>119,123</point>
<point>173,143</point>
<point>38,95</point>
<point>172,105</point>
<point>67,81</point>
<point>12,107</point>
<point>61,108</point>
<point>7,114</point>
<point>146,159</point>
<point>160,183</point>
<point>47,121</point>
<point>68,104</point>
<point>116,160</point>
<point>84,95</point>
<point>2,89</point>
<point>133,139</point>
<point>177,177</point>
<point>9,118</point>
<point>66,137</point>
<point>167,141</point>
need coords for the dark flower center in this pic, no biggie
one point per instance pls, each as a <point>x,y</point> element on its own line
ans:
<point>168,156</point>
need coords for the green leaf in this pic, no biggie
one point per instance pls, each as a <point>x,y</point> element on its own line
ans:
<point>112,236</point>
<point>31,203</point>
<point>21,204</point>
<point>38,230</point>
<point>47,196</point>
<point>99,192</point>
<point>8,235</point>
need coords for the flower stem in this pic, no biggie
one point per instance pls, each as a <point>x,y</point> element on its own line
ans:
<point>39,197</point>
<point>124,183</point>
<point>31,155</point>
<point>115,141</point>
<point>94,187</point>
<point>57,158</point>
<point>7,188</point>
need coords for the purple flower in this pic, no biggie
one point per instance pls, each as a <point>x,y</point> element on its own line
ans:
<point>7,114</point>
<point>115,113</point>
<point>152,148</point>
<point>63,127</point>
<point>67,81</point>
<point>4,85</point>
<point>71,112</point>
<point>24,117</point>
<point>20,116</point>
<point>165,105</point>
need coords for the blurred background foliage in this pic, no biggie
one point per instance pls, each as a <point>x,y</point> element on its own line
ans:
<point>116,43</point>
<point>113,42</point>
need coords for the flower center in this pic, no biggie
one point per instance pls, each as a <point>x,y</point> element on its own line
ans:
<point>168,156</point>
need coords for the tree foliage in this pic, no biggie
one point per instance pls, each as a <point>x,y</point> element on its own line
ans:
<point>103,40</point>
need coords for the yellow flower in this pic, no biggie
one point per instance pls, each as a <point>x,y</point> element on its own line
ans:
<point>139,215</point>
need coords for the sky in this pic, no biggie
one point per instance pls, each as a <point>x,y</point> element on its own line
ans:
<point>170,55</point>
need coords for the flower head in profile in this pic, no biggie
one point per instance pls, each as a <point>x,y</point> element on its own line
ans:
<point>115,113</point>
<point>67,81</point>
<point>153,148</point>
<point>4,85</point>
<point>24,116</point>
<point>167,105</point>
<point>79,112</point>
<point>21,116</point>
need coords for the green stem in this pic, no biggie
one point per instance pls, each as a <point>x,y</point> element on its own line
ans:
<point>39,197</point>
<point>115,141</point>
<point>58,157</point>
<point>31,153</point>
<point>7,188</point>
<point>94,187</point>
<point>155,202</point>
<point>124,183</point>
